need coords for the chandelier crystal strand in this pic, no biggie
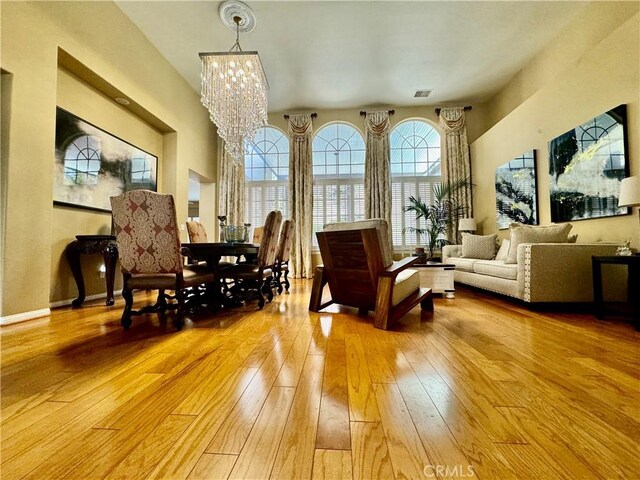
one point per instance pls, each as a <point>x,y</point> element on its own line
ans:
<point>234,91</point>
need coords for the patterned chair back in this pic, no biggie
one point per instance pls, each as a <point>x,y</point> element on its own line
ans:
<point>196,231</point>
<point>146,232</point>
<point>269,243</point>
<point>285,242</point>
<point>258,233</point>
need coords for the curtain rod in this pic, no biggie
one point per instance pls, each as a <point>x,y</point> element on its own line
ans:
<point>468,107</point>
<point>363,113</point>
<point>313,115</point>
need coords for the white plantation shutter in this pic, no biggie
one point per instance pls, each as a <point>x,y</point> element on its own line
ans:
<point>338,175</point>
<point>415,171</point>
<point>267,171</point>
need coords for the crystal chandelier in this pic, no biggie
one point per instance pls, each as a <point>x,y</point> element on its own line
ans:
<point>234,86</point>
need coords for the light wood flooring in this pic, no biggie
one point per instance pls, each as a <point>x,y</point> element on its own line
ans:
<point>482,388</point>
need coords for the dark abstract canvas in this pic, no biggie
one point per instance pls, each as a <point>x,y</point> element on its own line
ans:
<point>92,165</point>
<point>516,192</point>
<point>586,166</point>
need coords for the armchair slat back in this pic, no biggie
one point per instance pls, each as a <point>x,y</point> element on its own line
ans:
<point>352,261</point>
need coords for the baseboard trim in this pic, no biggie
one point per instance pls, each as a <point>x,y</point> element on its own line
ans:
<point>65,303</point>
<point>23,317</point>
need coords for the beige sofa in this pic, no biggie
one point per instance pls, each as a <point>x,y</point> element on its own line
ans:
<point>544,272</point>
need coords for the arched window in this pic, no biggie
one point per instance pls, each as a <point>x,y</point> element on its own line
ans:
<point>338,175</point>
<point>266,165</point>
<point>82,161</point>
<point>611,152</point>
<point>415,170</point>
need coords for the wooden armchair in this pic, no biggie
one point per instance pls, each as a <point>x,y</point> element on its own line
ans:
<point>149,250</point>
<point>359,268</point>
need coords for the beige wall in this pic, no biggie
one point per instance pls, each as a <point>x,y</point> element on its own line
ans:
<point>116,53</point>
<point>82,100</point>
<point>584,33</point>
<point>595,79</point>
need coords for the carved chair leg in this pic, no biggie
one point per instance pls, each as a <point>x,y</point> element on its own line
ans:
<point>268,288</point>
<point>260,298</point>
<point>161,303</point>
<point>179,320</point>
<point>278,282</point>
<point>286,280</point>
<point>125,321</point>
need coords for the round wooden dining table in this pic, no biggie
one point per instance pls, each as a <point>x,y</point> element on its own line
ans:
<point>211,253</point>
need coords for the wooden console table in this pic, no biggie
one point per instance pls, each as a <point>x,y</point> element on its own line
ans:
<point>633,285</point>
<point>89,245</point>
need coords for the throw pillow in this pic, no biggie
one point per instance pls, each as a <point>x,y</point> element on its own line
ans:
<point>504,250</point>
<point>535,234</point>
<point>482,247</point>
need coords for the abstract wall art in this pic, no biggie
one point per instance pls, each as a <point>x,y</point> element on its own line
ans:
<point>516,191</point>
<point>586,166</point>
<point>92,165</point>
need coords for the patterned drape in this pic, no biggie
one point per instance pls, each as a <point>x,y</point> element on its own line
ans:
<point>231,187</point>
<point>456,164</point>
<point>377,169</point>
<point>301,193</point>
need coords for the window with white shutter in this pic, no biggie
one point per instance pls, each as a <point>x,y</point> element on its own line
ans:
<point>266,165</point>
<point>415,170</point>
<point>338,175</point>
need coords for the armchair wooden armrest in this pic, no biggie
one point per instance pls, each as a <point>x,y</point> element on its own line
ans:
<point>386,312</point>
<point>396,267</point>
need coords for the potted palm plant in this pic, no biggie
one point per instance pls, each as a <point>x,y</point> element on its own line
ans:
<point>438,217</point>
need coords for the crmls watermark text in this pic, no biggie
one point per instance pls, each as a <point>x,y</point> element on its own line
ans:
<point>449,471</point>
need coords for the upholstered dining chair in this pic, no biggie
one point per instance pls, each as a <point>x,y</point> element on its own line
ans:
<point>196,232</point>
<point>149,250</point>
<point>258,276</point>
<point>359,268</point>
<point>281,266</point>
<point>258,233</point>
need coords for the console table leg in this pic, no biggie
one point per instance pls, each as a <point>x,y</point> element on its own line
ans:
<point>110,255</point>
<point>73,257</point>
<point>598,303</point>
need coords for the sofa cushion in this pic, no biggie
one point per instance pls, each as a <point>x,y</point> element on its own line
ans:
<point>479,246</point>
<point>504,250</point>
<point>535,234</point>
<point>496,268</point>
<point>407,282</point>
<point>463,264</point>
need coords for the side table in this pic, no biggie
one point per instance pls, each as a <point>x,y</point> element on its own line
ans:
<point>633,285</point>
<point>89,245</point>
<point>437,276</point>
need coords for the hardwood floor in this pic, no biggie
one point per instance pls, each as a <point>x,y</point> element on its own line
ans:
<point>481,388</point>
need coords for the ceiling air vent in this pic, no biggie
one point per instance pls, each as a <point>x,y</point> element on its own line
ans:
<point>422,93</point>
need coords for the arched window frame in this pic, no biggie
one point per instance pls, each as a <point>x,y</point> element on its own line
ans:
<point>590,134</point>
<point>82,157</point>
<point>407,179</point>
<point>266,194</point>
<point>338,193</point>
